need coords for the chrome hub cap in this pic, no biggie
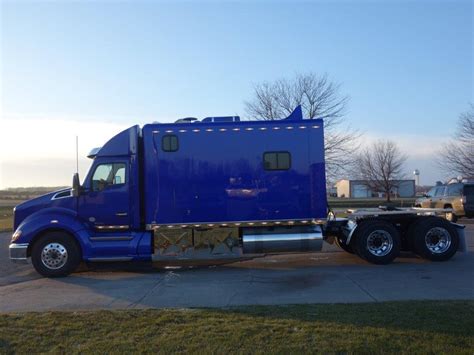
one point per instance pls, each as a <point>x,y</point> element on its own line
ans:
<point>438,240</point>
<point>54,256</point>
<point>379,243</point>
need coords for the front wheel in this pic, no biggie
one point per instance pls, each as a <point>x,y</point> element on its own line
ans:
<point>377,241</point>
<point>55,254</point>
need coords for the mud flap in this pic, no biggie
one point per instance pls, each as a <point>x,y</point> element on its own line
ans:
<point>462,237</point>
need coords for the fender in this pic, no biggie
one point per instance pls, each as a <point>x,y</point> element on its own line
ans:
<point>55,218</point>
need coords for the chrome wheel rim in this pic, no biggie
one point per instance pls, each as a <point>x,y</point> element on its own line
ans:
<point>54,256</point>
<point>379,243</point>
<point>438,240</point>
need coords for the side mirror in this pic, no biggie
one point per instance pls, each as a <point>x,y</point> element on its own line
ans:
<point>76,187</point>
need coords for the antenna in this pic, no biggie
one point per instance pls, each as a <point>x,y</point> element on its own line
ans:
<point>77,154</point>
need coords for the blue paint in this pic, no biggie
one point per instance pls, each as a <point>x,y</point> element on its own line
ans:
<point>216,175</point>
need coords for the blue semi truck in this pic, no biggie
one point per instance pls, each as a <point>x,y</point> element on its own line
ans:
<point>219,189</point>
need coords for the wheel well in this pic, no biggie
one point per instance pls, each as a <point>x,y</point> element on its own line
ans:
<point>448,205</point>
<point>49,230</point>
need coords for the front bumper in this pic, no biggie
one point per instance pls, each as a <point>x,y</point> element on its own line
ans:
<point>18,252</point>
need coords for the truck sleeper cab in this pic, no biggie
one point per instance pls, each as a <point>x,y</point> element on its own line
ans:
<point>217,189</point>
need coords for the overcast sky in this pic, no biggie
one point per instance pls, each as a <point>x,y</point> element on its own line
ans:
<point>92,68</point>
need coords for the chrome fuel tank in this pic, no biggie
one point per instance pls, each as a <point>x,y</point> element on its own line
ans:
<point>282,239</point>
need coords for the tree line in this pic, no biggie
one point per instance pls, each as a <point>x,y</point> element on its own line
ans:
<point>381,164</point>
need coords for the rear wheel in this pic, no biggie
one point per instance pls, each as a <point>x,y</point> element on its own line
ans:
<point>55,254</point>
<point>435,239</point>
<point>377,241</point>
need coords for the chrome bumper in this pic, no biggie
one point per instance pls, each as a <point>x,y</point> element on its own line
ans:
<point>18,253</point>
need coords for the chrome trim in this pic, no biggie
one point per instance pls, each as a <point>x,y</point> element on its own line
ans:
<point>61,192</point>
<point>109,239</point>
<point>117,258</point>
<point>107,227</point>
<point>438,240</point>
<point>254,238</point>
<point>254,223</point>
<point>18,252</point>
<point>379,243</point>
<point>351,230</point>
<point>54,256</point>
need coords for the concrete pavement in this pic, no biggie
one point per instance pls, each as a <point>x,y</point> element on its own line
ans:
<point>328,277</point>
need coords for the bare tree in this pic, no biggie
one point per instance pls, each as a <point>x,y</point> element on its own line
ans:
<point>319,98</point>
<point>380,166</point>
<point>457,156</point>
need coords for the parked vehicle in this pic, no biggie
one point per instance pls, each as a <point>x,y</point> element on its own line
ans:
<point>217,189</point>
<point>457,196</point>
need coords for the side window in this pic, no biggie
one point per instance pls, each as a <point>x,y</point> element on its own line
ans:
<point>107,175</point>
<point>431,193</point>
<point>169,143</point>
<point>276,160</point>
<point>440,191</point>
<point>454,190</point>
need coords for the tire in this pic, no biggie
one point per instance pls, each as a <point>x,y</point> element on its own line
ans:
<point>342,244</point>
<point>434,239</point>
<point>377,241</point>
<point>55,254</point>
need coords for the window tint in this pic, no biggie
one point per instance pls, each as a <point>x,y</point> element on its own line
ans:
<point>440,191</point>
<point>108,174</point>
<point>432,191</point>
<point>169,143</point>
<point>454,190</point>
<point>277,161</point>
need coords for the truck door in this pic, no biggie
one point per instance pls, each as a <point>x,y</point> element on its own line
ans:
<point>105,203</point>
<point>426,202</point>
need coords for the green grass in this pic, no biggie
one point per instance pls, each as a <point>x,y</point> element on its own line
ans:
<point>393,327</point>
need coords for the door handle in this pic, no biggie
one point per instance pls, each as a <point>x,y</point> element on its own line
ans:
<point>121,214</point>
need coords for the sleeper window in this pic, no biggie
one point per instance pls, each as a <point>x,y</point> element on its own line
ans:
<point>277,160</point>
<point>169,143</point>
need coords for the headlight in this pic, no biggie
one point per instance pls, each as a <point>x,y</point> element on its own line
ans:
<point>16,235</point>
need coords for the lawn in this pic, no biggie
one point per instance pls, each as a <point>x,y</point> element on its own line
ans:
<point>393,327</point>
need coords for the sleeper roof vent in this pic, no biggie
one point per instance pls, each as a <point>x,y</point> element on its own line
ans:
<point>222,119</point>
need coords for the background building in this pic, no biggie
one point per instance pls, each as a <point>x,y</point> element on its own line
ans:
<point>359,189</point>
